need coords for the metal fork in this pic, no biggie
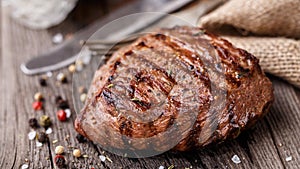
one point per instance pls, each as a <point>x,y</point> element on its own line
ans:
<point>191,15</point>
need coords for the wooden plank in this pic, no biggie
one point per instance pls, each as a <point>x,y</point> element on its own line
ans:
<point>257,148</point>
<point>283,121</point>
<point>17,91</point>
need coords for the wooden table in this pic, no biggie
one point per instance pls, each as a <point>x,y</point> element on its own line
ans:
<point>267,145</point>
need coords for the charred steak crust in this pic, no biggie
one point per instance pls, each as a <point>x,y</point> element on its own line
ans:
<point>151,65</point>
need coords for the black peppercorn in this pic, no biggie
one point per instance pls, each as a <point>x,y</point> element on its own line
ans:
<point>63,104</point>
<point>59,161</point>
<point>42,81</point>
<point>80,138</point>
<point>57,99</point>
<point>42,137</point>
<point>65,80</point>
<point>33,123</point>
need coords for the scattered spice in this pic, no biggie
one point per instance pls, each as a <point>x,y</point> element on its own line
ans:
<point>24,166</point>
<point>108,159</point>
<point>33,123</point>
<point>289,158</point>
<point>235,158</point>
<point>135,99</point>
<point>110,85</point>
<point>48,131</point>
<point>45,121</point>
<point>59,150</point>
<point>80,138</point>
<point>63,104</point>
<point>38,96</point>
<point>57,38</point>
<point>49,74</point>
<point>61,115</point>
<point>72,68</point>
<point>68,113</point>
<point>42,82</point>
<point>76,153</point>
<point>42,137</point>
<point>171,166</point>
<point>62,78</point>
<point>82,90</point>
<point>37,105</point>
<point>83,97</point>
<point>39,144</point>
<point>102,158</point>
<point>32,135</point>
<point>59,161</point>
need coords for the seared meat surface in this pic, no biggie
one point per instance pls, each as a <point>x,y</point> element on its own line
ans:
<point>182,78</point>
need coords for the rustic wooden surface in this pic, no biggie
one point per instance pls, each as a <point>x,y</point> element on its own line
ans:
<point>267,145</point>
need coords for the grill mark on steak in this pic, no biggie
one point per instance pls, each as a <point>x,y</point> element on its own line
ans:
<point>124,124</point>
<point>188,58</point>
<point>181,60</point>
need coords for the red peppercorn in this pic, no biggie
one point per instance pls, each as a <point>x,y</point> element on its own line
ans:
<point>37,105</point>
<point>60,161</point>
<point>61,115</point>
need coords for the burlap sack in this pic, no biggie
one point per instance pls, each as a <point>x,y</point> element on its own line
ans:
<point>278,56</point>
<point>261,17</point>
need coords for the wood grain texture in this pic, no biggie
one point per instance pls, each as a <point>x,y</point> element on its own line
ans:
<point>267,145</point>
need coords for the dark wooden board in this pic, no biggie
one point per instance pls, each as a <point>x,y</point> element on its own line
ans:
<point>267,145</point>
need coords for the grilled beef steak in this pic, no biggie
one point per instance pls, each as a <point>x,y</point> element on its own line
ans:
<point>181,77</point>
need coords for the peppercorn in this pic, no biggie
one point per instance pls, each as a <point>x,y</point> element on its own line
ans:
<point>45,121</point>
<point>59,150</point>
<point>76,153</point>
<point>57,99</point>
<point>72,68</point>
<point>80,138</point>
<point>33,123</point>
<point>83,97</point>
<point>61,115</point>
<point>63,104</point>
<point>62,78</point>
<point>37,105</point>
<point>43,82</point>
<point>68,113</point>
<point>38,96</point>
<point>42,137</point>
<point>59,161</point>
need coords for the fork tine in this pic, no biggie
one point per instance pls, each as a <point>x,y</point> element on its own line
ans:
<point>101,51</point>
<point>105,47</point>
<point>108,42</point>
